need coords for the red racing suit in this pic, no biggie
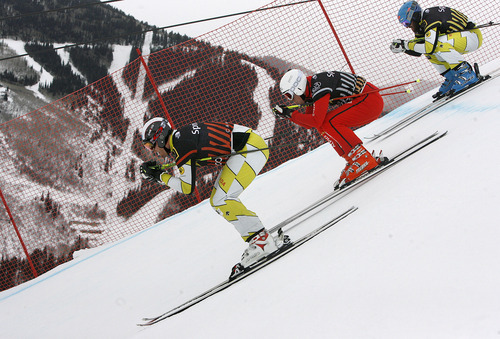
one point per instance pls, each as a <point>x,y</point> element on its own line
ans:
<point>336,125</point>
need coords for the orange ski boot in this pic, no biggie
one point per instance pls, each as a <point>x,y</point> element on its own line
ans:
<point>343,174</point>
<point>361,162</point>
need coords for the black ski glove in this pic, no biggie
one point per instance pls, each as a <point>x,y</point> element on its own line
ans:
<point>282,112</point>
<point>151,171</point>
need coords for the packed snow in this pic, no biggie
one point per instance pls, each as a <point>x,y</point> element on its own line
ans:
<point>418,259</point>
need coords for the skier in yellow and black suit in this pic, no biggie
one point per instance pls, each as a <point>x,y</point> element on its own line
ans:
<point>443,35</point>
<point>209,144</point>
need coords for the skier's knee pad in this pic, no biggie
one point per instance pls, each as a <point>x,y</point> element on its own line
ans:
<point>232,209</point>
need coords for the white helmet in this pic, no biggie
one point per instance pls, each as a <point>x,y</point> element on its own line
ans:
<point>155,131</point>
<point>293,82</point>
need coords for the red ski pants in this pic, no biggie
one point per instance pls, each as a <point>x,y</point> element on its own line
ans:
<point>338,124</point>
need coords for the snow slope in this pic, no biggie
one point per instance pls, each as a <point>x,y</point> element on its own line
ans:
<point>121,56</point>
<point>419,259</point>
<point>45,77</point>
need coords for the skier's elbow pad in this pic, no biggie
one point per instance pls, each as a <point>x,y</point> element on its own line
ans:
<point>187,188</point>
<point>165,177</point>
<point>177,184</point>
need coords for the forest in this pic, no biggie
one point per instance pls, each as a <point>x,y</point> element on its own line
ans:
<point>91,31</point>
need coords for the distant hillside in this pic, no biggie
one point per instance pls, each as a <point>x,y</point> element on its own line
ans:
<point>93,149</point>
<point>73,25</point>
<point>103,25</point>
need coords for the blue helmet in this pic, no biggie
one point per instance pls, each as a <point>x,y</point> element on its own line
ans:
<point>409,11</point>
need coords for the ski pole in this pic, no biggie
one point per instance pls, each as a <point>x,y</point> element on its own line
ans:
<point>488,24</point>
<point>172,164</point>
<point>358,95</point>
<point>407,91</point>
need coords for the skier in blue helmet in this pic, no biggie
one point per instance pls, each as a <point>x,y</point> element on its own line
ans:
<point>408,11</point>
<point>443,35</point>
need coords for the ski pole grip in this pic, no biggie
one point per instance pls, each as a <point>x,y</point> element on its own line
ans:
<point>166,166</point>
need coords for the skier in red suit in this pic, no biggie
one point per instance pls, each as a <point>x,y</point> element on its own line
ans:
<point>335,123</point>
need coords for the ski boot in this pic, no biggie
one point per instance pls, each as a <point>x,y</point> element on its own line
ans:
<point>449,78</point>
<point>260,246</point>
<point>362,162</point>
<point>465,77</point>
<point>343,173</point>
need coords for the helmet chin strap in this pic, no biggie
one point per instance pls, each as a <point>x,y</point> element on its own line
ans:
<point>303,96</point>
<point>167,141</point>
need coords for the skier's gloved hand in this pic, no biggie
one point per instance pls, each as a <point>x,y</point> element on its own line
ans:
<point>399,46</point>
<point>151,171</point>
<point>282,112</point>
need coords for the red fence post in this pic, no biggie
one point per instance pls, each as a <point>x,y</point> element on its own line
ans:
<point>150,77</point>
<point>18,235</point>
<point>153,83</point>
<point>336,36</point>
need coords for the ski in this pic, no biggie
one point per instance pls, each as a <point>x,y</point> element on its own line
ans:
<point>285,249</point>
<point>429,108</point>
<point>361,180</point>
<point>395,159</point>
<point>294,244</point>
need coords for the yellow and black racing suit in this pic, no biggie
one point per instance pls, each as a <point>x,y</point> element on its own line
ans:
<point>242,154</point>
